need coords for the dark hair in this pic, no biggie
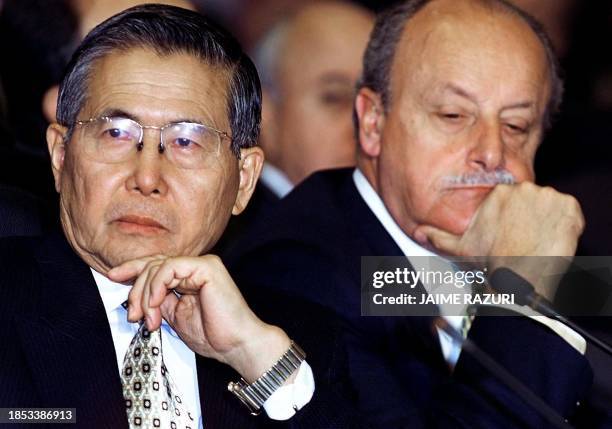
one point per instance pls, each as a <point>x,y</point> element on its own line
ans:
<point>388,30</point>
<point>168,30</point>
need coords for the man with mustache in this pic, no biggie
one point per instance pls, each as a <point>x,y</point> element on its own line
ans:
<point>450,109</point>
<point>152,151</point>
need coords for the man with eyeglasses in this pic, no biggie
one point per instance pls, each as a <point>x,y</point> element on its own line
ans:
<point>153,150</point>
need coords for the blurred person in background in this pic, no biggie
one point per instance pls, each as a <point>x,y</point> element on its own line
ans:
<point>309,63</point>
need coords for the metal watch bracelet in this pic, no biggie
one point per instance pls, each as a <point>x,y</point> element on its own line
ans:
<point>255,394</point>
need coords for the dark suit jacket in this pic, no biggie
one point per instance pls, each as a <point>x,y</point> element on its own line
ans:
<point>23,213</point>
<point>56,348</point>
<point>261,203</point>
<point>312,246</point>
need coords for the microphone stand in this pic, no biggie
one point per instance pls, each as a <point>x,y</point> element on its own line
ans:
<point>505,376</point>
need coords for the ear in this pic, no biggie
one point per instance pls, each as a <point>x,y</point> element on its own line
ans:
<point>250,164</point>
<point>368,105</point>
<point>57,149</point>
<point>49,103</point>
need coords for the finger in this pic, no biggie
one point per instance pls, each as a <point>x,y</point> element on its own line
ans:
<point>130,269</point>
<point>135,311</point>
<point>442,240</point>
<point>135,308</point>
<point>165,279</point>
<point>152,314</point>
<point>168,309</point>
<point>185,275</point>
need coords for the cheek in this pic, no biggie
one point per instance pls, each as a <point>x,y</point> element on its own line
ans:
<point>88,189</point>
<point>522,170</point>
<point>204,206</point>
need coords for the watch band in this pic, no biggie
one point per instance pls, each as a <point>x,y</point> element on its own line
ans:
<point>255,394</point>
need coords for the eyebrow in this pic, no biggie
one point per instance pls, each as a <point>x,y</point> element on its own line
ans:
<point>113,113</point>
<point>336,78</point>
<point>460,92</point>
<point>465,94</point>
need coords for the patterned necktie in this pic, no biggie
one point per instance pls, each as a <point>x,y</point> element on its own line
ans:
<point>151,398</point>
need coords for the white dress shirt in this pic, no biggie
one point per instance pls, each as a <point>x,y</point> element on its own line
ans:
<point>181,361</point>
<point>275,180</point>
<point>450,348</point>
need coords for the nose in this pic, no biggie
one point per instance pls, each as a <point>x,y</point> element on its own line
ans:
<point>147,176</point>
<point>487,153</point>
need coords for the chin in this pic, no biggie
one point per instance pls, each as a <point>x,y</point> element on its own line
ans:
<point>456,222</point>
<point>117,255</point>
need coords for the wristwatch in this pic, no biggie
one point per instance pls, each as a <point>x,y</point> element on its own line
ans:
<point>255,394</point>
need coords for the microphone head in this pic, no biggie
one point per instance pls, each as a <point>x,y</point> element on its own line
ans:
<point>505,280</point>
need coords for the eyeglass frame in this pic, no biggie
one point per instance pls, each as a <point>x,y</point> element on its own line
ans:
<point>161,146</point>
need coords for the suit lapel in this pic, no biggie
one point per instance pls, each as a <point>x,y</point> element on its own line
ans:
<point>376,241</point>
<point>68,341</point>
<point>220,409</point>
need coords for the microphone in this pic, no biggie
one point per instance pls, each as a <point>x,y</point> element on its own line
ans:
<point>501,373</point>
<point>505,280</point>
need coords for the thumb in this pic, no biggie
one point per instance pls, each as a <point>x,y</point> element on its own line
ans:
<point>441,240</point>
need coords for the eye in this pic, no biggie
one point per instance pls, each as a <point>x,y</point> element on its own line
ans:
<point>451,116</point>
<point>117,134</point>
<point>516,129</point>
<point>337,98</point>
<point>184,143</point>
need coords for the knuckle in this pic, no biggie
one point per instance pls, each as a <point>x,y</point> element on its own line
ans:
<point>527,186</point>
<point>574,203</point>
<point>545,192</point>
<point>213,260</point>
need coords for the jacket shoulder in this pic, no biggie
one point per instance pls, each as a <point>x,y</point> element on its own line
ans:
<point>19,274</point>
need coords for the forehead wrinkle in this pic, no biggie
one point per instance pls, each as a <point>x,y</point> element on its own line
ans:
<point>443,18</point>
<point>149,87</point>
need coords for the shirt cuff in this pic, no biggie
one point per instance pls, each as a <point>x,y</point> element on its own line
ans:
<point>290,398</point>
<point>572,337</point>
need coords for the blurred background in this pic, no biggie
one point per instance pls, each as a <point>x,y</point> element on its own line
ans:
<point>37,38</point>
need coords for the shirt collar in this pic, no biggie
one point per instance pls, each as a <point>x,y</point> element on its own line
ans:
<point>113,294</point>
<point>276,180</point>
<point>408,246</point>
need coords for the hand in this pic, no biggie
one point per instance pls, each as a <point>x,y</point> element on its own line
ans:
<point>516,220</point>
<point>210,316</point>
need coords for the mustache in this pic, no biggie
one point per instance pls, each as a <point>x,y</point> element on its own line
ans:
<point>142,209</point>
<point>480,178</point>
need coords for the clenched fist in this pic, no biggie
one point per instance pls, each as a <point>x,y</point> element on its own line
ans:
<point>516,220</point>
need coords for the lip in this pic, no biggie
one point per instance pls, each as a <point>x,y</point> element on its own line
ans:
<point>479,186</point>
<point>139,224</point>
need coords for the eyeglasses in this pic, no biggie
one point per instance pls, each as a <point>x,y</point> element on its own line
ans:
<point>186,144</point>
